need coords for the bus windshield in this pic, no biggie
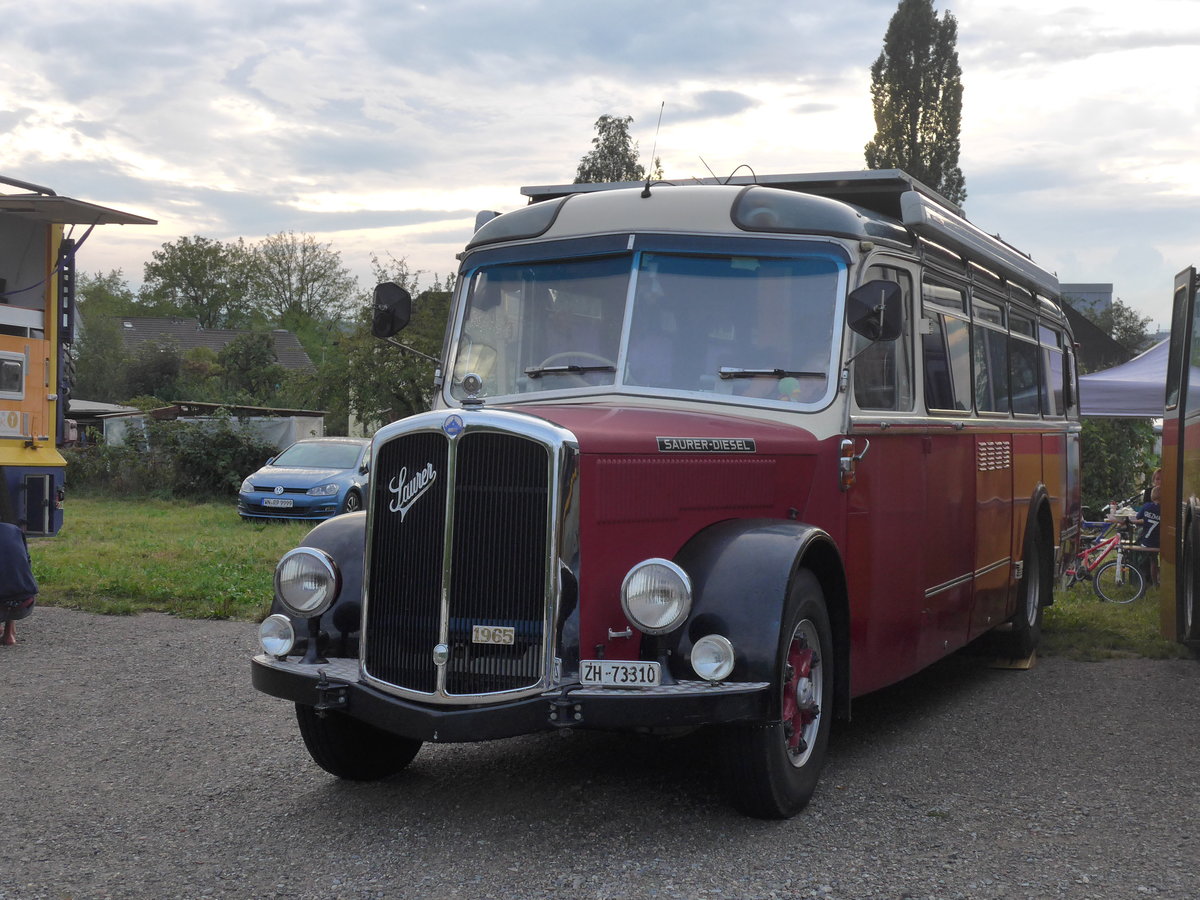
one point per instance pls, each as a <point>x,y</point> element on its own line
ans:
<point>757,327</point>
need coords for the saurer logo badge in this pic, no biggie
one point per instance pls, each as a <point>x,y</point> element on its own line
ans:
<point>408,491</point>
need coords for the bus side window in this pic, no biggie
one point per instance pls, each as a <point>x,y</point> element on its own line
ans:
<point>1023,366</point>
<point>883,371</point>
<point>990,348</point>
<point>1053,372</point>
<point>946,350</point>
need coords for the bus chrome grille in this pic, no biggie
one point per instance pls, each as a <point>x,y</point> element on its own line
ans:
<point>458,557</point>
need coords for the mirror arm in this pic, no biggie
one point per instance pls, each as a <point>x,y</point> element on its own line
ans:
<point>415,352</point>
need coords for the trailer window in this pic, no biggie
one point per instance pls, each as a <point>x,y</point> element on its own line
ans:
<point>12,376</point>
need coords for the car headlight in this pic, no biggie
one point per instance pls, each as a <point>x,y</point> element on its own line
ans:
<point>276,635</point>
<point>307,581</point>
<point>656,596</point>
<point>712,657</point>
<point>246,487</point>
<point>325,490</point>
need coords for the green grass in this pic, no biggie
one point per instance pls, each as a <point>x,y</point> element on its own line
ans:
<point>1082,626</point>
<point>197,560</point>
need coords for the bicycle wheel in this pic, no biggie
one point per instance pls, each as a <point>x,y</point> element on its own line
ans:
<point>1119,582</point>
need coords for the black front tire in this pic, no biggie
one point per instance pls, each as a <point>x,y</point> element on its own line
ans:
<point>772,768</point>
<point>351,749</point>
<point>352,503</point>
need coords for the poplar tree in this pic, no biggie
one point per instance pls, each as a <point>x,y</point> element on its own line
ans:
<point>916,89</point>
<point>614,154</point>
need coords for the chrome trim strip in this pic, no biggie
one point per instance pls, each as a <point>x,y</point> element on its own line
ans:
<point>964,579</point>
<point>991,568</point>
<point>947,585</point>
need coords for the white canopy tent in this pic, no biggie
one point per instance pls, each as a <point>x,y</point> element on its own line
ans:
<point>1135,389</point>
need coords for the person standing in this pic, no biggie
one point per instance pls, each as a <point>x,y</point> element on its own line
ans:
<point>1148,518</point>
<point>18,588</point>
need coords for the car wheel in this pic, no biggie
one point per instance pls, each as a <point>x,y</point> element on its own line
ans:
<point>351,749</point>
<point>353,502</point>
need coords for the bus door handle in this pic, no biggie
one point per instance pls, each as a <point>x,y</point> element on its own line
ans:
<point>848,461</point>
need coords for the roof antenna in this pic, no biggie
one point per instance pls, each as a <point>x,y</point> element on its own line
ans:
<point>654,149</point>
<point>710,171</point>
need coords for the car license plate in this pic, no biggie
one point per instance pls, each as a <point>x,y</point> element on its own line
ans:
<point>281,503</point>
<point>619,673</point>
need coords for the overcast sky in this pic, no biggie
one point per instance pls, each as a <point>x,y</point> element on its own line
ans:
<point>382,126</point>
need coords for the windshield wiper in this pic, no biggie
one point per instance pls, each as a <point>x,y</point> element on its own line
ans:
<point>733,372</point>
<point>539,371</point>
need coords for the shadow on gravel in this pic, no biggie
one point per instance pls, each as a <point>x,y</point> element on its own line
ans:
<point>563,778</point>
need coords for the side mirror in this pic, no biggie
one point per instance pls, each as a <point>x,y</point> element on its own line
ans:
<point>392,309</point>
<point>875,310</point>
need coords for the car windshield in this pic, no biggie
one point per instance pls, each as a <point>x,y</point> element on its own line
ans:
<point>316,455</point>
<point>747,326</point>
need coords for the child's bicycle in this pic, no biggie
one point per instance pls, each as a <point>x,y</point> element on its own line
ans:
<point>1115,580</point>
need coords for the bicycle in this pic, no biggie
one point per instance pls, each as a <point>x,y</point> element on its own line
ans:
<point>1114,580</point>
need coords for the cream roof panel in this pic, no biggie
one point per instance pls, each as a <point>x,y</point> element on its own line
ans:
<point>693,209</point>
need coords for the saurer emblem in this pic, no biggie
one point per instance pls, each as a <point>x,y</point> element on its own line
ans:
<point>408,491</point>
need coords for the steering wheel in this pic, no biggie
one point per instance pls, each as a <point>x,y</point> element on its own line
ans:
<point>577,354</point>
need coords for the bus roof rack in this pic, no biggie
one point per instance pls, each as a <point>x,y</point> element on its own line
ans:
<point>878,190</point>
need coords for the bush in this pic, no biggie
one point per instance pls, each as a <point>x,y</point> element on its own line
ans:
<point>192,460</point>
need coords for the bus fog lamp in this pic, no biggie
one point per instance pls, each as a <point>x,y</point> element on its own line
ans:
<point>307,581</point>
<point>712,657</point>
<point>276,635</point>
<point>656,596</point>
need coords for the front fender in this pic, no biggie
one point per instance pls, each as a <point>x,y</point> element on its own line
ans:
<point>740,572</point>
<point>344,539</point>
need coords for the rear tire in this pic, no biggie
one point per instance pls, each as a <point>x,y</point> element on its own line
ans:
<point>1189,601</point>
<point>351,749</point>
<point>1037,581</point>
<point>772,768</point>
<point>1119,582</point>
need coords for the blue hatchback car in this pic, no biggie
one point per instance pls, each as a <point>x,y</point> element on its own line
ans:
<point>314,478</point>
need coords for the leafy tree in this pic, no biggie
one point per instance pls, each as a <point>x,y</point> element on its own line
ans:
<point>614,154</point>
<point>154,371</point>
<point>198,277</point>
<point>916,89</point>
<point>250,371</point>
<point>298,280</point>
<point>1123,324</point>
<point>200,376</point>
<point>99,351</point>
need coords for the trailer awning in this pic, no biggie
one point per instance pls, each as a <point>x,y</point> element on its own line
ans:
<point>66,211</point>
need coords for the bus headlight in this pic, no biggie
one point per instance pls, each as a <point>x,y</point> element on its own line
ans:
<point>656,596</point>
<point>307,581</point>
<point>712,657</point>
<point>276,635</point>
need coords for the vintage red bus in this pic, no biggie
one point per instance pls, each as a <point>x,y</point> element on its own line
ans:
<point>717,454</point>
<point>1179,539</point>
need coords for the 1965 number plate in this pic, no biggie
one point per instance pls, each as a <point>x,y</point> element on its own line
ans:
<point>619,673</point>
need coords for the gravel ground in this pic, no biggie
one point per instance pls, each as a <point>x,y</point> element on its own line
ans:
<point>140,763</point>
